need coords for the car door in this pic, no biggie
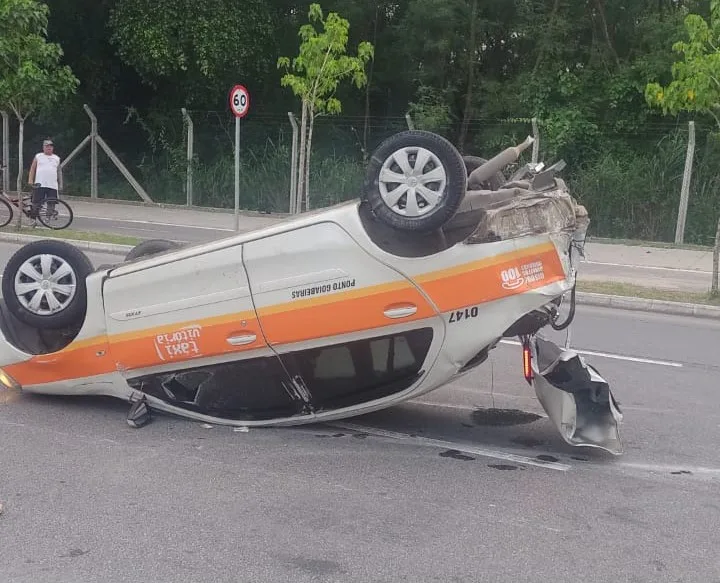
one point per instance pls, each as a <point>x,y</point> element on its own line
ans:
<point>182,328</point>
<point>348,328</point>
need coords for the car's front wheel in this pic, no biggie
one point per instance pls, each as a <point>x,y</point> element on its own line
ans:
<point>415,181</point>
<point>43,284</point>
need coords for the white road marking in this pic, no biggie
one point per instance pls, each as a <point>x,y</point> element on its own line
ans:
<point>669,469</point>
<point>139,222</point>
<point>465,448</point>
<point>614,356</point>
<point>698,271</point>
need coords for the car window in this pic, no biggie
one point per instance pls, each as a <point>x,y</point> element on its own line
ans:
<point>334,362</point>
<point>244,389</point>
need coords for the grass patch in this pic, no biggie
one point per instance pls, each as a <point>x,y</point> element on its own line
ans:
<point>75,235</point>
<point>649,293</point>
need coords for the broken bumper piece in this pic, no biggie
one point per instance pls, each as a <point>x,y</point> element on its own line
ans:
<point>575,397</point>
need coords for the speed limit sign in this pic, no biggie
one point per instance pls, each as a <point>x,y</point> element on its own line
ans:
<point>239,101</point>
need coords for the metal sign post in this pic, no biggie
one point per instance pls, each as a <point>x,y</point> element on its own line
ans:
<point>5,161</point>
<point>239,105</point>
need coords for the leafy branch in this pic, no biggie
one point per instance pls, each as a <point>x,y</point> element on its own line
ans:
<point>315,74</point>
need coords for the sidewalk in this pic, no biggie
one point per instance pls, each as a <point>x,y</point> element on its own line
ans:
<point>220,219</point>
<point>685,259</point>
<point>680,270</point>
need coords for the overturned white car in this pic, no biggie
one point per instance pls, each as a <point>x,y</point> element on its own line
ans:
<point>333,314</point>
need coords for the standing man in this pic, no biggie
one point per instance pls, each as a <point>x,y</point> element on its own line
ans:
<point>45,172</point>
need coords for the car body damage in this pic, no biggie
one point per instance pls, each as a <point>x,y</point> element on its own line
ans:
<point>576,398</point>
<point>327,315</point>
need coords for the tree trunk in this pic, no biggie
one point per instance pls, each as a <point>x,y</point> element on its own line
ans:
<point>606,32</point>
<point>301,161</point>
<point>470,78</point>
<point>546,36</point>
<point>307,159</point>
<point>21,138</point>
<point>716,261</point>
<point>367,89</point>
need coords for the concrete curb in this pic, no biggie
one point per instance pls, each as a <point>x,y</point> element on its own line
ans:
<point>583,298</point>
<point>91,246</point>
<point>646,305</point>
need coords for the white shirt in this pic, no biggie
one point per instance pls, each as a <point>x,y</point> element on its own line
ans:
<point>46,171</point>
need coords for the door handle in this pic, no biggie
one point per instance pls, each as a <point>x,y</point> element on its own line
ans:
<point>402,311</point>
<point>242,339</point>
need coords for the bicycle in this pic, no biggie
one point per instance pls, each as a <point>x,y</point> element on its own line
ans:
<point>53,213</point>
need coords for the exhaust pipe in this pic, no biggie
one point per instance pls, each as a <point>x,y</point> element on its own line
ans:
<point>507,156</point>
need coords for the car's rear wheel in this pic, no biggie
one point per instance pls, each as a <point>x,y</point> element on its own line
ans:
<point>43,284</point>
<point>415,181</point>
<point>151,247</point>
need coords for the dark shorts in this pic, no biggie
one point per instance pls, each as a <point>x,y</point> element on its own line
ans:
<point>40,195</point>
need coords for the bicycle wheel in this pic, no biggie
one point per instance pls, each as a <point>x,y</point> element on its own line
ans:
<point>55,214</point>
<point>6,213</point>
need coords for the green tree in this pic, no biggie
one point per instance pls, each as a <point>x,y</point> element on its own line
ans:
<point>186,49</point>
<point>696,83</point>
<point>31,77</point>
<point>696,78</point>
<point>316,73</point>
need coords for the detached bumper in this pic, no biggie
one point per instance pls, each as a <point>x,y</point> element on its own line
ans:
<point>575,397</point>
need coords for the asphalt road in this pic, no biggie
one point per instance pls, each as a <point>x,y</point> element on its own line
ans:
<point>86,498</point>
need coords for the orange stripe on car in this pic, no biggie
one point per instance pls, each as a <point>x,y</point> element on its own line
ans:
<point>523,253</point>
<point>485,284</point>
<point>339,315</point>
<point>86,361</point>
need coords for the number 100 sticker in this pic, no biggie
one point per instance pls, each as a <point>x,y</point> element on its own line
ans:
<point>239,101</point>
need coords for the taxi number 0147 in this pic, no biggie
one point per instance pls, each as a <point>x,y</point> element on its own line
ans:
<point>465,314</point>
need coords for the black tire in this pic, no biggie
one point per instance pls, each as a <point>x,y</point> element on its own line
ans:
<point>495,182</point>
<point>52,221</point>
<point>72,313</point>
<point>151,247</point>
<point>6,210</point>
<point>451,195</point>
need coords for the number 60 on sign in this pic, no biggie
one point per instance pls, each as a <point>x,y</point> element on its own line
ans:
<point>239,101</point>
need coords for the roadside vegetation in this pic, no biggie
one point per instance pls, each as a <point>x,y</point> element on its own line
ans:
<point>477,74</point>
<point>638,291</point>
<point>73,235</point>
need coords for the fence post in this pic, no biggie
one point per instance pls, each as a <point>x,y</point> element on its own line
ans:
<point>93,153</point>
<point>716,260</point>
<point>408,119</point>
<point>190,140</point>
<point>5,152</point>
<point>536,143</point>
<point>293,164</point>
<point>685,191</point>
